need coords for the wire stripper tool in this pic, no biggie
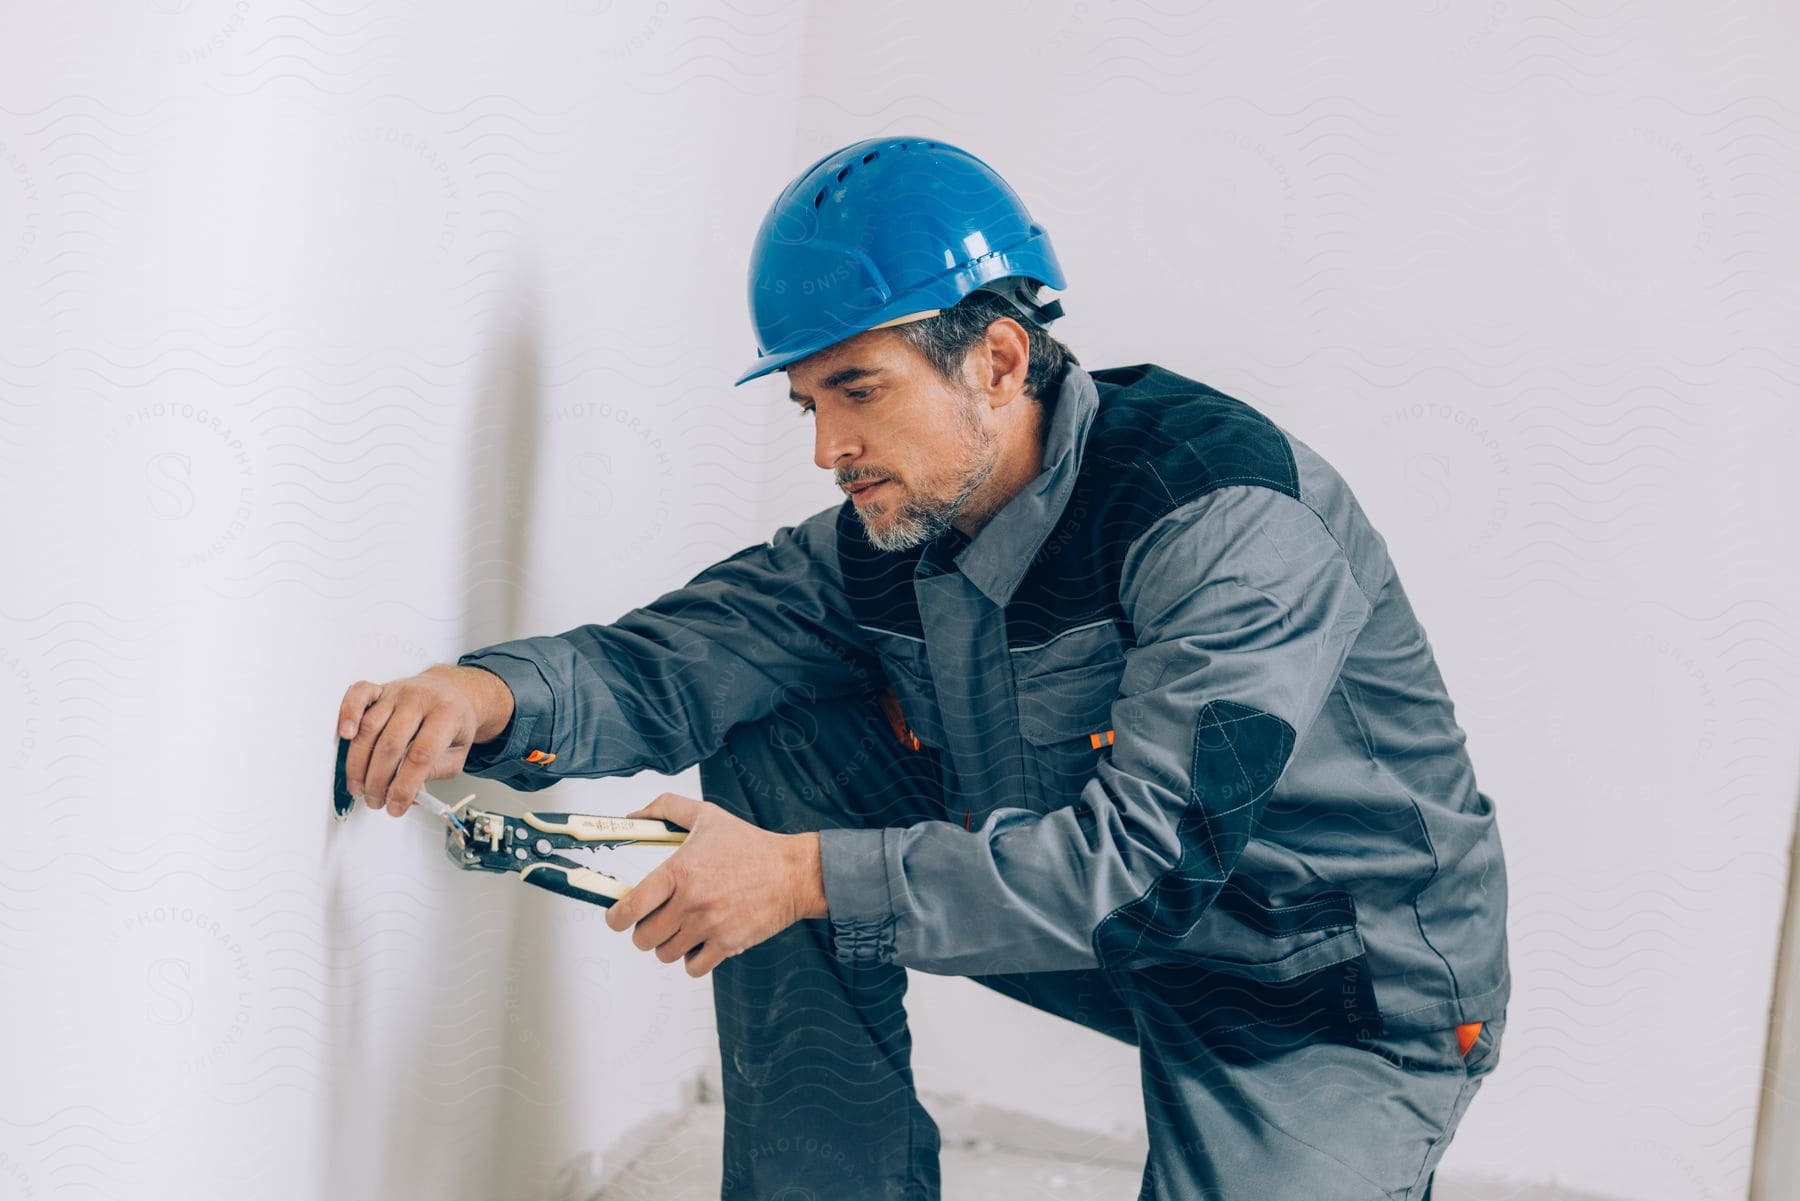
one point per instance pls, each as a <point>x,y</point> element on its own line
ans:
<point>478,840</point>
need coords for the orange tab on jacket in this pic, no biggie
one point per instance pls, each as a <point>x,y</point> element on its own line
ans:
<point>1104,738</point>
<point>1466,1036</point>
<point>890,707</point>
<point>540,757</point>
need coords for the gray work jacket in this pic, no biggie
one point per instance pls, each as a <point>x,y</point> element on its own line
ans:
<point>1180,702</point>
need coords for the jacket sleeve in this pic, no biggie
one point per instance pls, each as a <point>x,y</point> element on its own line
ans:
<point>659,687</point>
<point>1244,607</point>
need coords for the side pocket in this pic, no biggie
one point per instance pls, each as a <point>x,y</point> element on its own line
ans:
<point>1243,1018</point>
<point>1254,979</point>
<point>1243,934</point>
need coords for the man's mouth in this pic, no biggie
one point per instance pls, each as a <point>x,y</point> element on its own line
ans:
<point>863,488</point>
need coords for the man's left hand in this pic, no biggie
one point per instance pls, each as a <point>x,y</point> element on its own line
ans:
<point>729,886</point>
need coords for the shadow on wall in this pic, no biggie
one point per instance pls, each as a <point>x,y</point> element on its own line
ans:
<point>418,1089</point>
<point>1775,1170</point>
<point>505,454</point>
<point>343,1031</point>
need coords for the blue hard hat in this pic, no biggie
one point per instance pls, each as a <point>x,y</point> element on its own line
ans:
<point>883,230</point>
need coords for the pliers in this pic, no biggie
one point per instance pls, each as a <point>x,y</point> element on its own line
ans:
<point>494,842</point>
<point>477,840</point>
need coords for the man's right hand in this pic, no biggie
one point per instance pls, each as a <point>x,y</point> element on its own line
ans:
<point>420,728</point>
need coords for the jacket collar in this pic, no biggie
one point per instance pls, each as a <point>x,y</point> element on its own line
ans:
<point>996,559</point>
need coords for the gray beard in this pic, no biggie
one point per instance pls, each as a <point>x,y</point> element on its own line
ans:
<point>913,525</point>
<point>916,523</point>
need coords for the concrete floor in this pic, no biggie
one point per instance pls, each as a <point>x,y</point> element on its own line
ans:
<point>683,1164</point>
<point>988,1155</point>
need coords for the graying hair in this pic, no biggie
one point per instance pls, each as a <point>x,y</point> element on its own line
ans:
<point>945,340</point>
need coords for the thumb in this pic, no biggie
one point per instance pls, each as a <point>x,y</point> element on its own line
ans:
<point>672,807</point>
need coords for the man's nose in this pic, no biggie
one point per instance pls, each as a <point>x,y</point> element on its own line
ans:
<point>833,440</point>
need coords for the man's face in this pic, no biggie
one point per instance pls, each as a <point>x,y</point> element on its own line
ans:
<point>908,446</point>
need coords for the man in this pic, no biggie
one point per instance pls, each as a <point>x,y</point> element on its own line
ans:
<point>1099,688</point>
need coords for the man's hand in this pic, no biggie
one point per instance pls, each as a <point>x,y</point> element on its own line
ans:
<point>406,732</point>
<point>729,886</point>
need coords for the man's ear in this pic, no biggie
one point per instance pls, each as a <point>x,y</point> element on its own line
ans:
<point>1004,362</point>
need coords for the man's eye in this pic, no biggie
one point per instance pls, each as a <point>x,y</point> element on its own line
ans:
<point>861,394</point>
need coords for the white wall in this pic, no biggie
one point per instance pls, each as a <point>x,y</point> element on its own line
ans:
<point>463,288</point>
<point>334,341</point>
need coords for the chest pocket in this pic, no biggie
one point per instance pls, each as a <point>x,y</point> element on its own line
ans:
<point>908,674</point>
<point>1066,688</point>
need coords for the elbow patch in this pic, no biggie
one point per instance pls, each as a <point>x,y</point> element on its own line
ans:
<point>1239,754</point>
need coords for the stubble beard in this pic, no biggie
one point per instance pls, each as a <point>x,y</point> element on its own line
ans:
<point>918,519</point>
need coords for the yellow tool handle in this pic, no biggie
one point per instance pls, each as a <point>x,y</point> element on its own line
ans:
<point>582,883</point>
<point>589,828</point>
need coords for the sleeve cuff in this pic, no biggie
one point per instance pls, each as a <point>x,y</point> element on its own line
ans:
<point>858,902</point>
<point>532,711</point>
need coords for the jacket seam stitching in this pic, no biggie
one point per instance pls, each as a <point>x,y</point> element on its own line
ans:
<point>1430,845</point>
<point>1419,918</point>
